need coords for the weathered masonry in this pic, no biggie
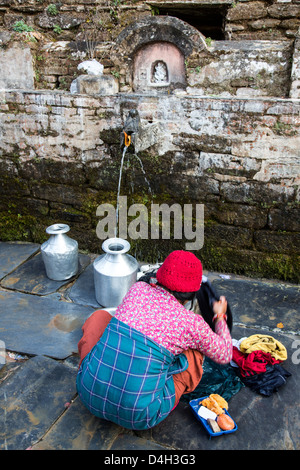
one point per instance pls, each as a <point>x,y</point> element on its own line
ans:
<point>61,157</point>
<point>216,85</point>
<point>253,43</point>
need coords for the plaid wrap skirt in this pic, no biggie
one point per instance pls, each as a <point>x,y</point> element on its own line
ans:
<point>127,378</point>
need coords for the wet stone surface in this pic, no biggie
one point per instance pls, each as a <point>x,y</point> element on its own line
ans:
<point>83,290</point>
<point>31,277</point>
<point>13,254</point>
<point>39,406</point>
<point>262,303</point>
<point>31,399</point>
<point>78,429</point>
<point>41,325</point>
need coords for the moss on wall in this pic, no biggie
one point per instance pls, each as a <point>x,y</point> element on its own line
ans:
<point>251,225</point>
<point>250,263</point>
<point>16,224</point>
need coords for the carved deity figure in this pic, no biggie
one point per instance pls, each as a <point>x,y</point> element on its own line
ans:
<point>160,72</point>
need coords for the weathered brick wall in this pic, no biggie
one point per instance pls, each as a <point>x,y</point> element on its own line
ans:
<point>248,19</point>
<point>60,159</point>
<point>263,20</point>
<point>64,33</point>
<point>243,68</point>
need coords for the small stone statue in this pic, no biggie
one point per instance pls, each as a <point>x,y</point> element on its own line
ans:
<point>160,73</point>
<point>131,126</point>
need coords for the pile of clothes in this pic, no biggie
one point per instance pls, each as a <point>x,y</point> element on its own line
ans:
<point>258,359</point>
<point>217,378</point>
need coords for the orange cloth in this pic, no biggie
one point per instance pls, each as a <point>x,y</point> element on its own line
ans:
<point>184,382</point>
<point>93,329</point>
<point>187,381</point>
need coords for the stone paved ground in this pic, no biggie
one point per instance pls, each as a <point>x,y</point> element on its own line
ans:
<point>40,326</point>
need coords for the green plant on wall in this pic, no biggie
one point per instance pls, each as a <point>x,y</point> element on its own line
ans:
<point>22,27</point>
<point>52,9</point>
<point>57,29</point>
<point>154,11</point>
<point>114,9</point>
<point>115,73</point>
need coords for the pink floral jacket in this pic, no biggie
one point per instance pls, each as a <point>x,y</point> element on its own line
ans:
<point>155,312</point>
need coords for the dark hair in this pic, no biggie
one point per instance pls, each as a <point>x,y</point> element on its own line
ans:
<point>181,296</point>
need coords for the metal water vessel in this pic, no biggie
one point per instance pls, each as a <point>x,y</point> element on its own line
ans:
<point>114,272</point>
<point>60,253</point>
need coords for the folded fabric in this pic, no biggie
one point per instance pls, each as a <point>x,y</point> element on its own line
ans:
<point>186,381</point>
<point>93,328</point>
<point>253,363</point>
<point>216,378</point>
<point>264,343</point>
<point>268,382</point>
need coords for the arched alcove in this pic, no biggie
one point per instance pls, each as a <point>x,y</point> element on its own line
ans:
<point>144,43</point>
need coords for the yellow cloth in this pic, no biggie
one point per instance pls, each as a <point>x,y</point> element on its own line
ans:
<point>264,343</point>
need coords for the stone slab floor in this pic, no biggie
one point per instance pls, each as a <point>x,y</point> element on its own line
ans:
<point>40,326</point>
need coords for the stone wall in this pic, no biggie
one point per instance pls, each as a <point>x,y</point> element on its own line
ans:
<point>62,34</point>
<point>244,69</point>
<point>247,19</point>
<point>60,158</point>
<point>227,137</point>
<point>263,20</point>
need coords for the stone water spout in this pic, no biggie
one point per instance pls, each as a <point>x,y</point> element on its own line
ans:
<point>141,135</point>
<point>130,129</point>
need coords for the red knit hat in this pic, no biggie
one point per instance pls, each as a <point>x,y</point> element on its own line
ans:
<point>181,272</point>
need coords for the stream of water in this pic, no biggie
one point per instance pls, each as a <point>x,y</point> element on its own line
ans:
<point>144,173</point>
<point>119,187</point>
<point>119,184</point>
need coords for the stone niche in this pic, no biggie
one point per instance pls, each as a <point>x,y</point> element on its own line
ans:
<point>153,53</point>
<point>158,67</point>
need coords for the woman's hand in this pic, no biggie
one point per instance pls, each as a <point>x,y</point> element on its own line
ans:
<point>220,307</point>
